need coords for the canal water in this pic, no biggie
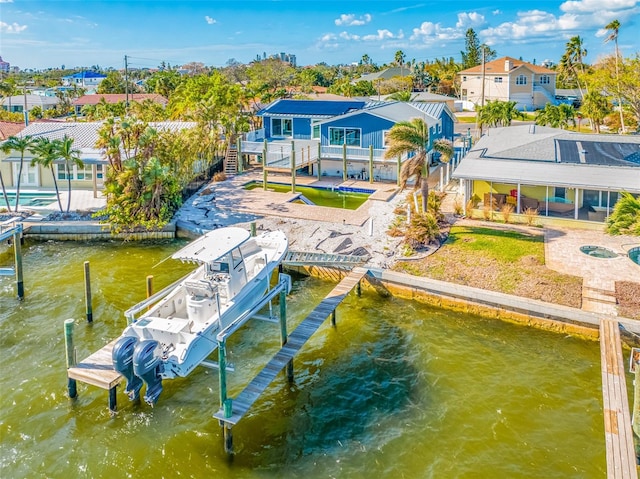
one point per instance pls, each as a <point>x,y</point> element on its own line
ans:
<point>397,390</point>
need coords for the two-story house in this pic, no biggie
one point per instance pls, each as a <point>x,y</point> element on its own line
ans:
<point>340,138</point>
<point>507,79</point>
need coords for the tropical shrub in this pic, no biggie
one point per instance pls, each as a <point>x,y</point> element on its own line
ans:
<point>625,217</point>
<point>422,230</point>
<point>530,214</point>
<point>506,211</point>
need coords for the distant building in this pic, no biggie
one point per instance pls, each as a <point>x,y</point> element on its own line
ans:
<point>507,79</point>
<point>285,57</point>
<point>4,66</point>
<point>84,79</point>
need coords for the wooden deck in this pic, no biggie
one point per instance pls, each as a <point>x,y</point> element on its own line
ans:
<point>621,458</point>
<point>295,341</point>
<point>97,369</point>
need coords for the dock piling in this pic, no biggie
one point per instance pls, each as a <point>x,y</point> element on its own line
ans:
<point>283,330</point>
<point>149,286</point>
<point>17,249</point>
<point>87,292</point>
<point>71,356</point>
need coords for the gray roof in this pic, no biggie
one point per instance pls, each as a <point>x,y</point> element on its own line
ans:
<point>403,111</point>
<point>85,134</point>
<point>535,155</point>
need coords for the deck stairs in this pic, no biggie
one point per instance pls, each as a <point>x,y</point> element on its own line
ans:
<point>342,261</point>
<point>231,159</point>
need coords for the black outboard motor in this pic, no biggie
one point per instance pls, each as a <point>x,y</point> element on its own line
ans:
<point>147,365</point>
<point>122,356</point>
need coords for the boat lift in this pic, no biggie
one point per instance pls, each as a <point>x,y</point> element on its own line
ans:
<point>8,229</point>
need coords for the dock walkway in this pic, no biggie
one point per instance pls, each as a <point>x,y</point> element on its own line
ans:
<point>621,458</point>
<point>97,369</point>
<point>295,341</point>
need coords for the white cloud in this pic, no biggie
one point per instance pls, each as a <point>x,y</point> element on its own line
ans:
<point>6,1</point>
<point>210,20</point>
<point>350,20</point>
<point>594,6</point>
<point>496,12</point>
<point>383,35</point>
<point>468,20</point>
<point>11,28</point>
<point>429,32</point>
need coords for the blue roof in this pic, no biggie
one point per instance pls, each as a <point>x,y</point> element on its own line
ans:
<point>311,107</point>
<point>86,74</point>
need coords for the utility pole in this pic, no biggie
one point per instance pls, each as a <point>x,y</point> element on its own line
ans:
<point>482,90</point>
<point>126,85</point>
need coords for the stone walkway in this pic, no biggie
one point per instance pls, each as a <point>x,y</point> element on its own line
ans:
<point>562,252</point>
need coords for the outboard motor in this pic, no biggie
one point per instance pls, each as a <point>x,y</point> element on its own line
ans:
<point>147,365</point>
<point>122,357</point>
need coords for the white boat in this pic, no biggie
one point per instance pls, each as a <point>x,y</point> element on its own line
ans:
<point>178,330</point>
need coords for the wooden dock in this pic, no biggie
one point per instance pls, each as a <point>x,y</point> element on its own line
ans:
<point>621,458</point>
<point>295,341</point>
<point>97,369</point>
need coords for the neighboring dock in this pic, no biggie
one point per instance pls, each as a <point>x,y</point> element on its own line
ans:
<point>295,341</point>
<point>621,457</point>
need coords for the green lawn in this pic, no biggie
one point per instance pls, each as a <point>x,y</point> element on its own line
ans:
<point>507,261</point>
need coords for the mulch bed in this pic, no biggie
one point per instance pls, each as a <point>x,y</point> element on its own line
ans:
<point>628,297</point>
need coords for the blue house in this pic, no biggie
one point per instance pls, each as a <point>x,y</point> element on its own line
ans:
<point>293,119</point>
<point>340,138</point>
<point>84,79</point>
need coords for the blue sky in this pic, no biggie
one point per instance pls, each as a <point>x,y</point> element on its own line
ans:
<point>51,33</point>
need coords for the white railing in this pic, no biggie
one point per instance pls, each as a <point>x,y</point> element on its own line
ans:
<point>255,135</point>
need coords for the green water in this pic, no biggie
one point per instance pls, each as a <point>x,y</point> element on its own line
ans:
<point>397,390</point>
<point>321,197</point>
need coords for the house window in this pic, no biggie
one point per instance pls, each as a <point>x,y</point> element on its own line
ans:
<point>544,80</point>
<point>497,80</point>
<point>464,78</point>
<point>281,127</point>
<point>79,173</point>
<point>521,80</point>
<point>344,136</point>
<point>29,174</point>
<point>385,138</point>
<point>316,131</point>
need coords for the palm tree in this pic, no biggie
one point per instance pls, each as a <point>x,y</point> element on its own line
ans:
<point>407,137</point>
<point>4,193</point>
<point>625,217</point>
<point>445,148</point>
<point>46,152</point>
<point>573,57</point>
<point>498,113</point>
<point>21,144</point>
<point>613,28</point>
<point>71,156</point>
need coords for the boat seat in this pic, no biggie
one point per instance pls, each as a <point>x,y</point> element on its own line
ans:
<point>200,288</point>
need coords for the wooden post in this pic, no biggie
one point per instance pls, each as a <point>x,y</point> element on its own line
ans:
<point>149,286</point>
<point>319,160</point>
<point>87,292</point>
<point>253,228</point>
<point>293,167</point>
<point>344,162</point>
<point>17,251</point>
<point>370,163</point>
<point>358,289</point>
<point>283,330</point>
<point>264,166</point>
<point>333,318</point>
<point>240,159</point>
<point>228,439</point>
<point>113,402</point>
<point>309,167</point>
<point>71,356</point>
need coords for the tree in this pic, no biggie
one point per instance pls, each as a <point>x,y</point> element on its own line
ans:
<point>471,56</point>
<point>498,113</point>
<point>408,137</point>
<point>556,116</point>
<point>22,145</point>
<point>625,217</point>
<point>65,151</point>
<point>595,107</point>
<point>572,62</point>
<point>613,28</point>
<point>114,83</point>
<point>445,148</point>
<point>46,152</point>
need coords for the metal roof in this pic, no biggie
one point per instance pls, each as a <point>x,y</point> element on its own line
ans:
<point>536,155</point>
<point>311,108</point>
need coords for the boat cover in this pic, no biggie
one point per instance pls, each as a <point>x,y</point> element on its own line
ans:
<point>213,245</point>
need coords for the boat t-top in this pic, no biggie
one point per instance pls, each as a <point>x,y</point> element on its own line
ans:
<point>178,328</point>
